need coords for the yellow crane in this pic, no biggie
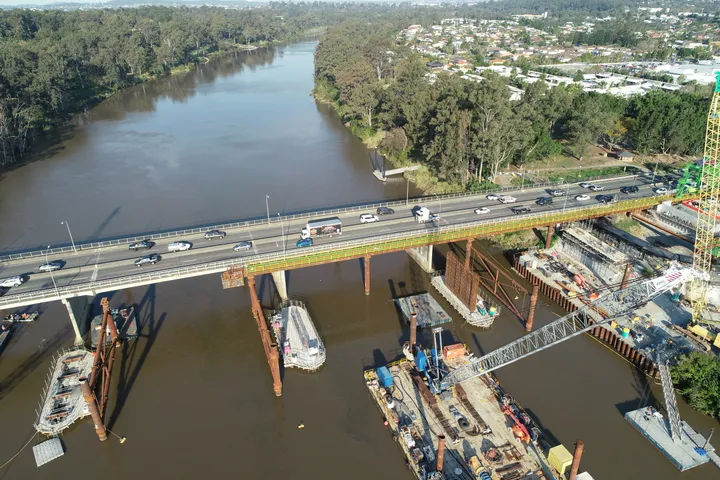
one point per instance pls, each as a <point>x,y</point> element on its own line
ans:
<point>709,191</point>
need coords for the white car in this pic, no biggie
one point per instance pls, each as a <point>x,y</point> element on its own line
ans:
<point>179,246</point>
<point>368,218</point>
<point>51,266</point>
<point>12,282</point>
<point>243,246</point>
<point>492,196</point>
<point>661,190</point>
<point>585,185</point>
<point>596,188</point>
<point>507,199</point>
<point>582,198</point>
<point>482,210</point>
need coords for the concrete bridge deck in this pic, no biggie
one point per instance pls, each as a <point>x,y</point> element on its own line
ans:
<point>109,267</point>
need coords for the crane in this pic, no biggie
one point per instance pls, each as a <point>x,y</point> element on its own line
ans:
<point>709,193</point>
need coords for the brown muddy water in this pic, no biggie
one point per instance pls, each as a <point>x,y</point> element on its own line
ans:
<point>193,395</point>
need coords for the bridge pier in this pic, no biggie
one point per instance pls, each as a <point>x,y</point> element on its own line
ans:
<point>281,284</point>
<point>549,236</point>
<point>423,257</point>
<point>78,309</point>
<point>533,304</point>
<point>366,271</point>
<point>270,347</point>
<point>468,252</point>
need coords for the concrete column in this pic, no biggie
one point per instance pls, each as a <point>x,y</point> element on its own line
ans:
<point>423,257</point>
<point>577,455</point>
<point>468,253</point>
<point>533,304</point>
<point>73,321</point>
<point>549,235</point>
<point>281,284</point>
<point>366,266</point>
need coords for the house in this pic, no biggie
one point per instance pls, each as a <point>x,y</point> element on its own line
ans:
<point>434,65</point>
<point>625,156</point>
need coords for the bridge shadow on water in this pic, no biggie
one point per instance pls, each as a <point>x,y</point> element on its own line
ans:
<point>133,353</point>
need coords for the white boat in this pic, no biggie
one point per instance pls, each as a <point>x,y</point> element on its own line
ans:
<point>298,340</point>
<point>22,317</point>
<point>62,402</point>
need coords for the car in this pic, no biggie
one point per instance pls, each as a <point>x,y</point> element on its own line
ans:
<point>661,190</point>
<point>180,246</point>
<point>558,193</point>
<point>482,210</point>
<point>213,234</point>
<point>596,188</point>
<point>585,185</point>
<point>605,198</point>
<point>368,218</point>
<point>492,196</point>
<point>304,242</point>
<point>507,199</point>
<point>544,201</point>
<point>629,190</point>
<point>582,198</point>
<point>15,281</point>
<point>153,258</point>
<point>51,266</point>
<point>520,210</point>
<point>141,244</point>
<point>243,246</point>
<point>384,211</point>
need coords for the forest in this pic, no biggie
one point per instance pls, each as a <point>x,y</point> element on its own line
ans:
<point>466,131</point>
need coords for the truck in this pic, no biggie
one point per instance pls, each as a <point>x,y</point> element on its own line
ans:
<point>322,228</point>
<point>424,215</point>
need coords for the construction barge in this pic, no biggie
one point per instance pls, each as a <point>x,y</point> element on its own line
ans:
<point>294,331</point>
<point>462,432</point>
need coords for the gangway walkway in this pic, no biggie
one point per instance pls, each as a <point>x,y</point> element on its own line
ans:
<point>670,403</point>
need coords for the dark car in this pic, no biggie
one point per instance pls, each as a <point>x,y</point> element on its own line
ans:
<point>142,244</point>
<point>629,190</point>
<point>520,210</point>
<point>213,234</point>
<point>153,259</point>
<point>558,193</point>
<point>385,211</point>
<point>605,198</point>
<point>544,201</point>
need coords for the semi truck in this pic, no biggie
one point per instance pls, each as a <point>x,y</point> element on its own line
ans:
<point>424,215</point>
<point>322,228</point>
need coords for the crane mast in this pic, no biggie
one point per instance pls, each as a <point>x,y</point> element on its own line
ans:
<point>709,191</point>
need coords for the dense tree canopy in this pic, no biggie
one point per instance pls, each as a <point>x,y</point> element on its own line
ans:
<point>465,130</point>
<point>698,377</point>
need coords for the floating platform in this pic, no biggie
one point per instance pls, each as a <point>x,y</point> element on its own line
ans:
<point>125,322</point>
<point>482,316</point>
<point>298,340</point>
<point>22,317</point>
<point>62,402</point>
<point>478,439</point>
<point>686,454</point>
<point>428,310</point>
<point>48,451</point>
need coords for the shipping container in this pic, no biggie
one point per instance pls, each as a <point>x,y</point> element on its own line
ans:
<point>560,458</point>
<point>453,351</point>
<point>385,377</point>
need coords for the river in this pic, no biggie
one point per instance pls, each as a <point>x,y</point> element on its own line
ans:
<point>193,395</point>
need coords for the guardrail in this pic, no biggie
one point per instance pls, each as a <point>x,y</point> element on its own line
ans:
<point>277,220</point>
<point>258,264</point>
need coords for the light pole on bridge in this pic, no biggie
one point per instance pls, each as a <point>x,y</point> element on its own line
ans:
<point>282,229</point>
<point>69,233</point>
<point>52,277</point>
<point>267,207</point>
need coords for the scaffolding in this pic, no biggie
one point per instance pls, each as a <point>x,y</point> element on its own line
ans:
<point>605,261</point>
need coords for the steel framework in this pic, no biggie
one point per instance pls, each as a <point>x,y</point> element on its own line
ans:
<point>614,304</point>
<point>709,194</point>
<point>104,358</point>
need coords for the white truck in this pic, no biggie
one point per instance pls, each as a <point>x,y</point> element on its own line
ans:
<point>322,228</point>
<point>424,215</point>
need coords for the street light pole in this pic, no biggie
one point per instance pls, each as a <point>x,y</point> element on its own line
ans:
<point>69,233</point>
<point>567,193</point>
<point>282,229</point>
<point>407,190</point>
<point>52,277</point>
<point>267,207</point>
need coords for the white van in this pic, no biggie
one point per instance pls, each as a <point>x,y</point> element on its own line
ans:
<point>179,246</point>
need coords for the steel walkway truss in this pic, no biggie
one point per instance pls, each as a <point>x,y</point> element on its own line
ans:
<point>573,324</point>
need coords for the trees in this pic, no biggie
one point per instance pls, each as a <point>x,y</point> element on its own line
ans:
<point>698,377</point>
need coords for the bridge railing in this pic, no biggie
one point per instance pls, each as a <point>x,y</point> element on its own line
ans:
<point>337,250</point>
<point>297,216</point>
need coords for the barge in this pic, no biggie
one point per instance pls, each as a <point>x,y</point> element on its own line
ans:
<point>472,430</point>
<point>62,400</point>
<point>482,316</point>
<point>22,317</point>
<point>296,335</point>
<point>125,322</point>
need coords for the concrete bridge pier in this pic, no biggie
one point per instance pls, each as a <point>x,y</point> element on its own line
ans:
<point>423,256</point>
<point>281,284</point>
<point>78,309</point>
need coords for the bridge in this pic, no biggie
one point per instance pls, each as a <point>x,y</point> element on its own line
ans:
<point>383,174</point>
<point>94,268</point>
